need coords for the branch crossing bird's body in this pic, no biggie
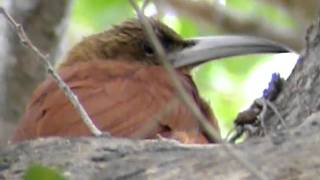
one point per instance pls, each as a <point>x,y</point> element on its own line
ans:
<point>121,98</point>
<point>124,89</point>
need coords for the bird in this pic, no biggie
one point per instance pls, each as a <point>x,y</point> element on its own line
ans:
<point>123,86</point>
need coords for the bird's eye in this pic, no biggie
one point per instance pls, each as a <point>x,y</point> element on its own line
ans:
<point>148,50</point>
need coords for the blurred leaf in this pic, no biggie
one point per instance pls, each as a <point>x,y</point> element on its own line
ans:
<point>275,15</point>
<point>225,108</point>
<point>40,172</point>
<point>100,13</point>
<point>240,67</point>
<point>247,6</point>
<point>188,28</point>
<point>257,9</point>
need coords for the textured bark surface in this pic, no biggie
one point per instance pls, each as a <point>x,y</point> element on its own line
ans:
<point>44,22</point>
<point>286,156</point>
<point>300,96</point>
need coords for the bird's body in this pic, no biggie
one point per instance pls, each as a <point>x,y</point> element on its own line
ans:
<point>125,90</point>
<point>125,99</point>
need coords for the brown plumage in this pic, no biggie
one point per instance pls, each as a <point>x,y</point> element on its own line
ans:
<point>122,86</point>
<point>125,90</point>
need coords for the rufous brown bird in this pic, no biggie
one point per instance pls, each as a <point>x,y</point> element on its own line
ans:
<point>122,85</point>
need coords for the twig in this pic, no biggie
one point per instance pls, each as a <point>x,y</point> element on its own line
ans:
<point>144,5</point>
<point>214,135</point>
<point>61,84</point>
<point>238,133</point>
<point>230,133</point>
<point>275,110</point>
<point>262,114</point>
<point>182,94</point>
<point>265,103</point>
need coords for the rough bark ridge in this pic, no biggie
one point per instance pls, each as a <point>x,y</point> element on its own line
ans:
<point>45,22</point>
<point>287,156</point>
<point>300,96</point>
<point>283,154</point>
<point>19,79</point>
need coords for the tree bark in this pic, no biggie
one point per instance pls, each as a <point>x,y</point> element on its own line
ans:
<point>44,22</point>
<point>287,156</point>
<point>300,96</point>
<point>282,154</point>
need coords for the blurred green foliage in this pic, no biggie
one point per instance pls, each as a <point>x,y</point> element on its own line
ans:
<point>260,9</point>
<point>97,15</point>
<point>40,172</point>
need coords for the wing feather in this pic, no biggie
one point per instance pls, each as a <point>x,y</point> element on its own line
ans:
<point>121,98</point>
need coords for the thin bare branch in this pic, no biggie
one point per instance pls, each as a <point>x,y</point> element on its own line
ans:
<point>275,110</point>
<point>145,4</point>
<point>62,85</point>
<point>176,82</point>
<point>184,97</point>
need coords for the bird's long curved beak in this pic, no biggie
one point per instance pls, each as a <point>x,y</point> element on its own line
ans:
<point>210,48</point>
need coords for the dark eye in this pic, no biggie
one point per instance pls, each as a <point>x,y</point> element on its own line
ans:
<point>148,50</point>
<point>167,43</point>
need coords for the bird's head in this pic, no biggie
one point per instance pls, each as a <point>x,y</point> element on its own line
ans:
<point>129,42</point>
